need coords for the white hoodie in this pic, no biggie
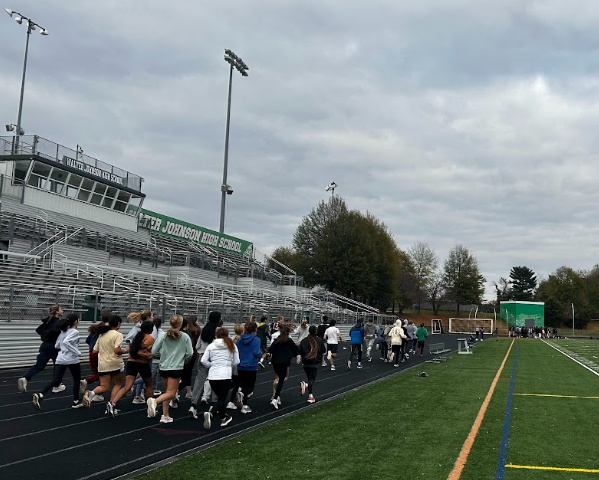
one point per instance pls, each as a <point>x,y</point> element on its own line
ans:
<point>68,344</point>
<point>397,334</point>
<point>219,360</point>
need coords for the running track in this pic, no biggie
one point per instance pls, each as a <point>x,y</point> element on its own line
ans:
<point>84,444</point>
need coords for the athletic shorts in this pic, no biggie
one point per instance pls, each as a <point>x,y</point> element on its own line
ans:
<point>170,373</point>
<point>111,373</point>
<point>141,368</point>
<point>332,347</point>
<point>263,348</point>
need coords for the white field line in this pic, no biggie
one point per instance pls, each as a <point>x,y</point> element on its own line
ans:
<point>582,361</point>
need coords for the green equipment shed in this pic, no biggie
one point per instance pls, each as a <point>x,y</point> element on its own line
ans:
<point>523,314</point>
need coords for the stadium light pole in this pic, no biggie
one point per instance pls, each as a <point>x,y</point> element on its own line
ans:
<point>234,62</point>
<point>31,25</point>
<point>572,319</point>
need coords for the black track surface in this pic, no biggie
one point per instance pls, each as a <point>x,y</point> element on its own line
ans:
<point>58,442</point>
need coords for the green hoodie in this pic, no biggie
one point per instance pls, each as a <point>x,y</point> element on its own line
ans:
<point>421,333</point>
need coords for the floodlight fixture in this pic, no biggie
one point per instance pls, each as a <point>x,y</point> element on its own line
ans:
<point>31,26</point>
<point>13,128</point>
<point>234,62</point>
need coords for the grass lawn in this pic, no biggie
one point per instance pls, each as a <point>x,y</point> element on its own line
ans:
<point>409,427</point>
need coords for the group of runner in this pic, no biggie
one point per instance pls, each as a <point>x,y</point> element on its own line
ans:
<point>225,364</point>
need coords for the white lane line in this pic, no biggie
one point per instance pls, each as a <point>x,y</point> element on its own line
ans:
<point>571,357</point>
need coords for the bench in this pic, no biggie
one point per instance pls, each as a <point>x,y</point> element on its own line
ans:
<point>439,350</point>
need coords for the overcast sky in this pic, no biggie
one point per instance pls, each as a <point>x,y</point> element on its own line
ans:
<point>453,121</point>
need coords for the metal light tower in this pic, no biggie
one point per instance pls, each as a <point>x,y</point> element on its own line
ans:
<point>31,25</point>
<point>331,188</point>
<point>234,61</point>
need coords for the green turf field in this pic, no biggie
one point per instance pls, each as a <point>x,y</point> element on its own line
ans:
<point>409,427</point>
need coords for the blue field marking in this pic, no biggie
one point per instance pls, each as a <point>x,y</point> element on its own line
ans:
<point>500,473</point>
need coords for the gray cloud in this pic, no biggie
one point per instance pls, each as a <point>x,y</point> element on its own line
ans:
<point>452,121</point>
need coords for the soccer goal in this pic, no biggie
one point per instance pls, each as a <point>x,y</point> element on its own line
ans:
<point>469,325</point>
<point>436,325</point>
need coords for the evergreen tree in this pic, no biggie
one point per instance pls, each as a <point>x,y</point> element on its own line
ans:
<point>524,282</point>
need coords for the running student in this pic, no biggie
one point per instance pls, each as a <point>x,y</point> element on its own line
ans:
<point>191,328</point>
<point>219,358</point>
<point>249,350</point>
<point>91,340</point>
<point>311,350</point>
<point>370,331</point>
<point>324,324</point>
<point>140,384</point>
<point>48,332</point>
<point>397,336</point>
<point>235,399</point>
<point>421,334</point>
<point>332,335</point>
<point>140,356</point>
<point>201,386</point>
<point>283,350</point>
<point>263,334</point>
<point>382,341</point>
<point>174,349</point>
<point>137,318</point>
<point>110,359</point>
<point>68,357</point>
<point>356,335</point>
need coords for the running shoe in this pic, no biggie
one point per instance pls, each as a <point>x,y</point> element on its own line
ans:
<point>207,420</point>
<point>151,407</point>
<point>98,398</point>
<point>311,398</point>
<point>76,404</point>
<point>395,365</point>
<point>349,364</point>
<point>138,401</point>
<point>82,386</point>
<point>166,419</point>
<point>407,356</point>
<point>157,393</point>
<point>225,421</point>
<point>204,401</point>
<point>324,362</point>
<point>110,408</point>
<point>274,404</point>
<point>250,395</point>
<point>87,398</point>
<point>333,368</point>
<point>22,384</point>
<point>231,406</point>
<point>173,403</point>
<point>261,364</point>
<point>370,359</point>
<point>359,364</point>
<point>143,396</point>
<point>193,413</point>
<point>302,388</point>
<point>279,401</point>
<point>188,395</point>
<point>37,400</point>
<point>61,388</point>
<point>246,409</point>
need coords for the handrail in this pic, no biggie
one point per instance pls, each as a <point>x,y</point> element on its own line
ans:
<point>8,253</point>
<point>86,271</point>
<point>55,236</point>
<point>50,248</point>
<point>138,291</point>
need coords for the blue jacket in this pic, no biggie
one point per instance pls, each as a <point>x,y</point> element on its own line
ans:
<point>248,346</point>
<point>356,334</point>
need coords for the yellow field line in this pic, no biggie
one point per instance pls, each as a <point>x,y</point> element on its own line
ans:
<point>460,463</point>
<point>554,469</point>
<point>548,395</point>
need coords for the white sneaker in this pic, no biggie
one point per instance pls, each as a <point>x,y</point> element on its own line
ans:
<point>143,396</point>
<point>302,388</point>
<point>324,363</point>
<point>61,388</point>
<point>231,406</point>
<point>359,364</point>
<point>82,386</point>
<point>333,368</point>
<point>193,413</point>
<point>138,401</point>
<point>207,420</point>
<point>165,419</point>
<point>349,364</point>
<point>87,398</point>
<point>151,407</point>
<point>22,384</point>
<point>274,404</point>
<point>188,395</point>
<point>173,404</point>
<point>311,398</point>
<point>246,409</point>
<point>37,400</point>
<point>239,399</point>
<point>157,393</point>
<point>98,398</point>
<point>279,400</point>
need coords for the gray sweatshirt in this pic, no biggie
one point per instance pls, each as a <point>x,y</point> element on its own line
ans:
<point>68,344</point>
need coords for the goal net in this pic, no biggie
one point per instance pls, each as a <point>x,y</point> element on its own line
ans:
<point>469,325</point>
<point>436,325</point>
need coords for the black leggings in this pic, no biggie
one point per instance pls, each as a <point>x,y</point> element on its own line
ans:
<point>220,389</point>
<point>247,380</point>
<point>186,374</point>
<point>396,349</point>
<point>47,352</point>
<point>311,372</point>
<point>59,371</point>
<point>281,372</point>
<point>384,349</point>
<point>421,347</point>
<point>356,347</point>
<point>235,383</point>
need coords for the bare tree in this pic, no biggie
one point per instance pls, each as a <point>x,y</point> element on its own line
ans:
<point>435,289</point>
<point>425,261</point>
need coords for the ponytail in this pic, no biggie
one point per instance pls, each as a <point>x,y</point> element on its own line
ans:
<point>175,331</point>
<point>223,333</point>
<point>135,317</point>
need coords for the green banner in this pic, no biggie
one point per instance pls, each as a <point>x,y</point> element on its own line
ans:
<point>173,228</point>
